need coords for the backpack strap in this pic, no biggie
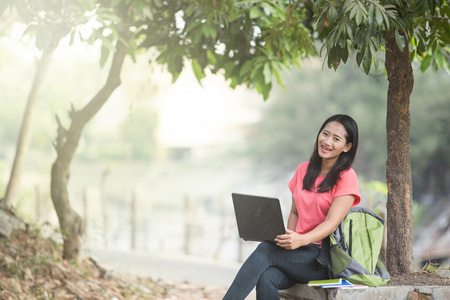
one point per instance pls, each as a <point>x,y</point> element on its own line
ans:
<point>324,255</point>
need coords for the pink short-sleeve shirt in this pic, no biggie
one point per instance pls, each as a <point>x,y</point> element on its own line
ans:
<point>313,207</point>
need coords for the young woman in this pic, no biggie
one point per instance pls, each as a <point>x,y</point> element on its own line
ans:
<point>323,191</point>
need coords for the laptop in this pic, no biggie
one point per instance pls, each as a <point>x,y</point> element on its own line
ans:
<point>258,218</point>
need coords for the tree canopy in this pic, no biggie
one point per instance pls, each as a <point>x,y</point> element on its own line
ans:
<point>251,41</point>
<point>362,25</point>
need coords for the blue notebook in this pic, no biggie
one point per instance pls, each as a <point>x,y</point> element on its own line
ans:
<point>344,283</point>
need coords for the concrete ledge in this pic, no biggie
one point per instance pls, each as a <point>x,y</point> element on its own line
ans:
<point>305,292</point>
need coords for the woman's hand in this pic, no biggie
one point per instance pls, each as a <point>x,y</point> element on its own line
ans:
<point>291,240</point>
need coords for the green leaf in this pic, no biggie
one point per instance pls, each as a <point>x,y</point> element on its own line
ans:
<point>246,67</point>
<point>378,16</point>
<point>342,42</point>
<point>175,66</point>
<point>386,19</point>
<point>267,71</point>
<point>367,61</point>
<point>359,57</point>
<point>446,65</point>
<point>400,39</point>
<point>190,10</point>
<point>371,14</point>
<point>256,74</point>
<point>439,58</point>
<point>359,17</point>
<point>334,57</point>
<point>318,20</point>
<point>209,30</point>
<point>132,49</point>
<point>421,6</point>
<point>279,80</point>
<point>348,5</point>
<point>344,54</point>
<point>353,12</point>
<point>412,54</point>
<point>329,62</point>
<point>234,82</point>
<point>421,47</point>
<point>362,8</point>
<point>256,12</point>
<point>349,31</point>
<point>198,35</point>
<point>264,89</point>
<point>107,43</point>
<point>272,9</point>
<point>425,63</point>
<point>234,15</point>
<point>193,26</point>
<point>212,60</point>
<point>332,15</point>
<point>277,66</point>
<point>198,71</point>
<point>373,52</point>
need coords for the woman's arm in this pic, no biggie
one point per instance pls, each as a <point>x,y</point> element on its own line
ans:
<point>293,217</point>
<point>339,208</point>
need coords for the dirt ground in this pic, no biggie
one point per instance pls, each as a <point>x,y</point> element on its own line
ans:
<point>431,275</point>
<point>31,267</point>
<point>419,279</point>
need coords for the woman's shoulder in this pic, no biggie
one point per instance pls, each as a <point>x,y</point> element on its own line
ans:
<point>302,167</point>
<point>348,174</point>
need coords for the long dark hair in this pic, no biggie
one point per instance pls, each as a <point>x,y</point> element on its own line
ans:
<point>343,163</point>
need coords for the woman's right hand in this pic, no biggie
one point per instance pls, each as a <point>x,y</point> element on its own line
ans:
<point>291,240</point>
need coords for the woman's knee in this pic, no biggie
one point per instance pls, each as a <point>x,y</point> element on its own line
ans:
<point>265,247</point>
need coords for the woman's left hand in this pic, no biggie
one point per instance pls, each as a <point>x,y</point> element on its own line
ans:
<point>291,240</point>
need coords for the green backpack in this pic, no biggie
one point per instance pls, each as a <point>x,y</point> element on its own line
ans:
<point>352,251</point>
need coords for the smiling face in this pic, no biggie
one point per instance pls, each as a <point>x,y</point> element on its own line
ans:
<point>332,141</point>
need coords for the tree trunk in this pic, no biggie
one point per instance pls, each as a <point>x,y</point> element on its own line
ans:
<point>24,139</point>
<point>398,166</point>
<point>66,143</point>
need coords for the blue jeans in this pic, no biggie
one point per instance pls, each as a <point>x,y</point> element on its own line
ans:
<point>271,268</point>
